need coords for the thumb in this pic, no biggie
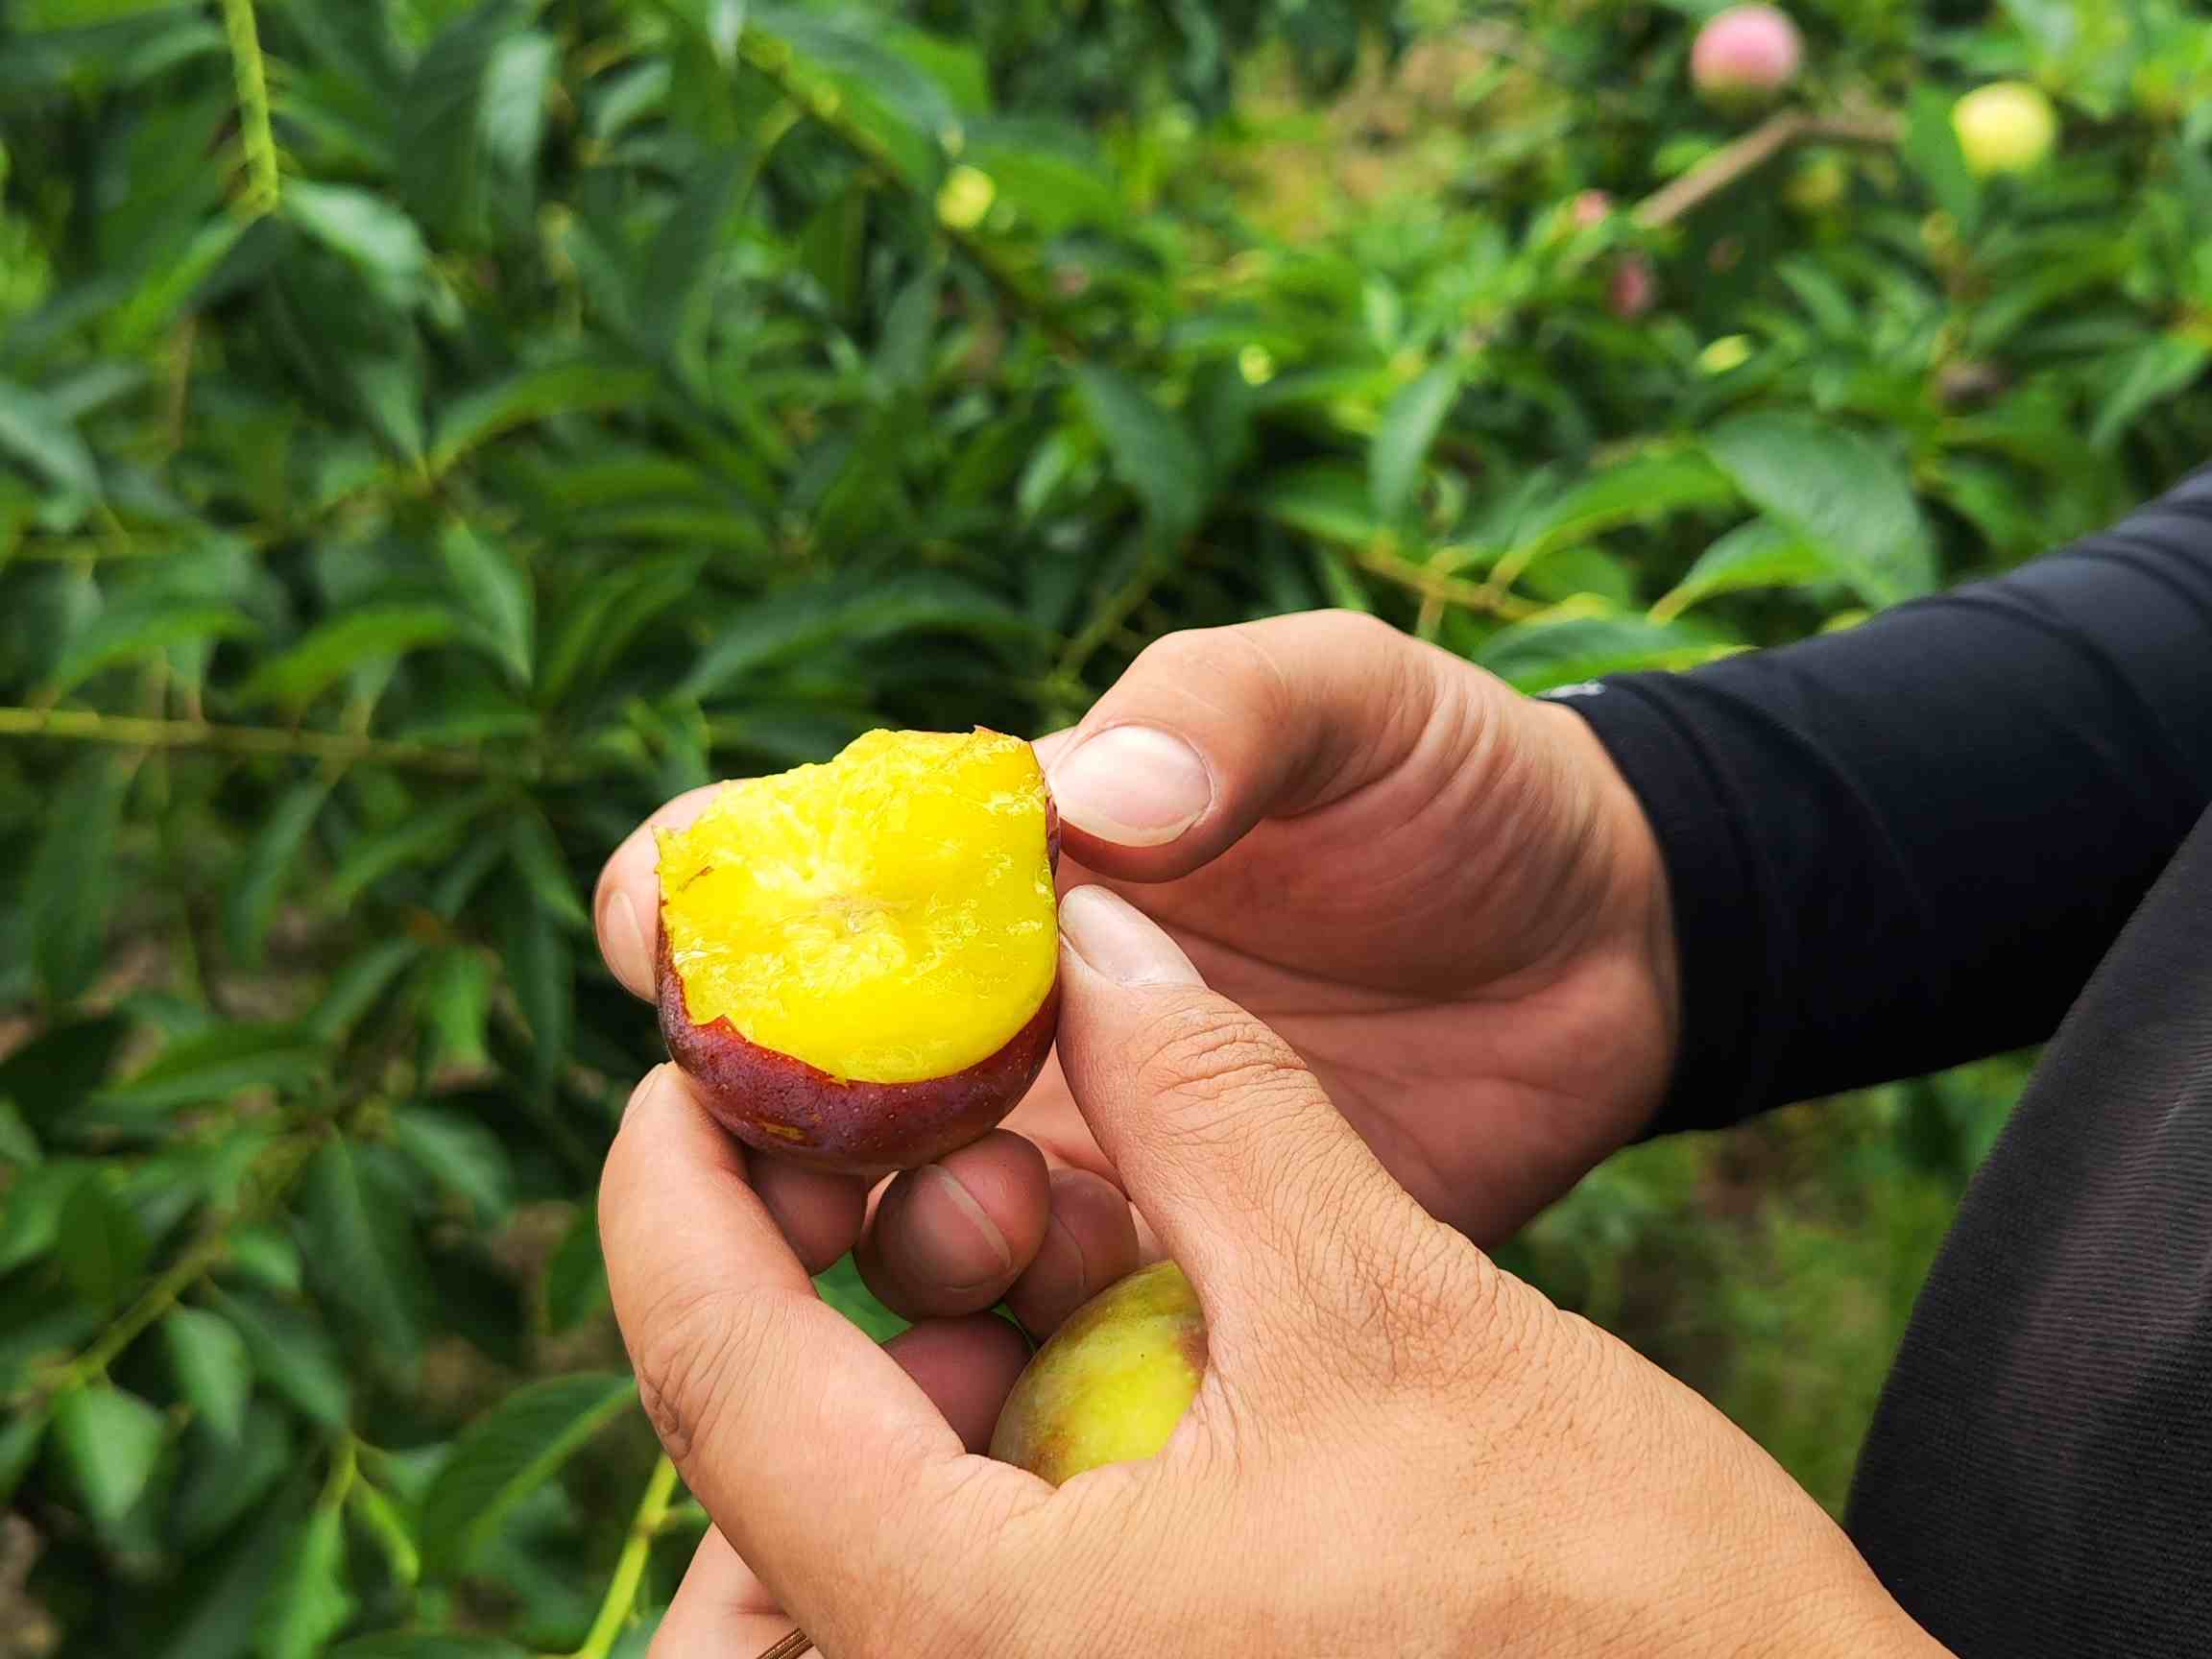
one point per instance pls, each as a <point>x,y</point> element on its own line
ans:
<point>1285,1221</point>
<point>1213,730</point>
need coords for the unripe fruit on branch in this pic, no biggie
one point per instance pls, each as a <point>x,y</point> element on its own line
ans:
<point>1632,289</point>
<point>1744,56</point>
<point>2005,126</point>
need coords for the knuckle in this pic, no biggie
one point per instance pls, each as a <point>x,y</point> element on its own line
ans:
<point>686,1349</point>
<point>1222,1057</point>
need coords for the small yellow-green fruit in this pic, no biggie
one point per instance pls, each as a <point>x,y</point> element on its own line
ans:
<point>1113,1382</point>
<point>2005,126</point>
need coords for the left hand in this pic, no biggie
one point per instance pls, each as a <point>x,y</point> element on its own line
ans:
<point>1398,1448</point>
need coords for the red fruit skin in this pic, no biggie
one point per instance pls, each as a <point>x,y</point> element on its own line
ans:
<point>778,1104</point>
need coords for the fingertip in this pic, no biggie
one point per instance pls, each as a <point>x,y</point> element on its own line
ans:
<point>818,1212</point>
<point>967,1366</point>
<point>948,1237</point>
<point>1089,1243</point>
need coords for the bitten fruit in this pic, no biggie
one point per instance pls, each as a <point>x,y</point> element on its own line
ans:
<point>1113,1382</point>
<point>858,962</point>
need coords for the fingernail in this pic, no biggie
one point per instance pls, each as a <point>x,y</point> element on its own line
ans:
<point>1113,938</point>
<point>1132,785</point>
<point>963,1248</point>
<point>629,953</point>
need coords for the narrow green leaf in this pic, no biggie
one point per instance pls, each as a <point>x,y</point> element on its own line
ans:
<point>460,1155</point>
<point>1640,490</point>
<point>292,1353</point>
<point>446,174</point>
<point>38,433</point>
<point>542,968</point>
<point>1932,150</point>
<point>1760,554</point>
<point>544,869</point>
<point>72,876</point>
<point>453,990</point>
<point>1152,451</point>
<point>133,633</point>
<point>424,835</point>
<point>383,1521</point>
<point>249,905</point>
<point>1543,656</point>
<point>217,1064</point>
<point>496,592</point>
<point>51,1076</point>
<point>213,1369</point>
<point>361,1254</point>
<point>306,1603</point>
<point>475,418</point>
<point>31,1220</point>
<point>219,1622</point>
<point>334,649</point>
<point>110,1441</point>
<point>2161,368</point>
<point>1324,500</point>
<point>102,1244</point>
<point>803,620</point>
<point>504,1457</point>
<point>20,1436</point>
<point>576,1273</point>
<point>1409,429</point>
<point>362,226</point>
<point>355,987</point>
<point>1838,491</point>
<point>19,1146</point>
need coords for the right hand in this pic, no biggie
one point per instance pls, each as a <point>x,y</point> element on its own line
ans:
<point>1440,892</point>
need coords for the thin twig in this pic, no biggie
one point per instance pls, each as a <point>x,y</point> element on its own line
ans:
<point>89,725</point>
<point>254,136</point>
<point>622,1598</point>
<point>1748,154</point>
<point>1435,585</point>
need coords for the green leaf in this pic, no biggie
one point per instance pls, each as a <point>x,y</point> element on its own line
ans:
<point>448,169</point>
<point>531,395</point>
<point>51,1076</point>
<point>132,632</point>
<point>495,590</point>
<point>217,1064</point>
<point>1543,656</point>
<point>2160,369</point>
<point>1403,440</point>
<point>841,1286</point>
<point>221,1621</point>
<point>1640,490</point>
<point>292,1354</point>
<point>803,620</point>
<point>508,1453</point>
<point>249,905</point>
<point>35,431</point>
<point>1760,554</point>
<point>1326,501</point>
<point>453,990</point>
<point>460,1155</point>
<point>306,1603</point>
<point>576,1273</point>
<point>427,834</point>
<point>1152,451</point>
<point>335,648</point>
<point>72,876</point>
<point>18,1143</point>
<point>101,1246</point>
<point>544,869</point>
<point>364,227</point>
<point>541,966</point>
<point>357,985</point>
<point>361,1253</point>
<point>1838,491</point>
<point>110,1442</point>
<point>20,1436</point>
<point>1932,150</point>
<point>213,1369</point>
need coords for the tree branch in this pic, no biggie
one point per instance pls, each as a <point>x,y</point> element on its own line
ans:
<point>622,1598</point>
<point>1732,162</point>
<point>131,731</point>
<point>254,136</point>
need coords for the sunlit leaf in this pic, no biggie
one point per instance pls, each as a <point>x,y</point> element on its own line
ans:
<point>1408,428</point>
<point>1837,490</point>
<point>110,1441</point>
<point>213,1369</point>
<point>306,1603</point>
<point>505,1455</point>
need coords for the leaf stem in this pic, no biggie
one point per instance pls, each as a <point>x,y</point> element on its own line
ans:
<point>622,1598</point>
<point>254,135</point>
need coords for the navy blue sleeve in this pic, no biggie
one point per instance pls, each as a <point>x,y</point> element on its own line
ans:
<point>1908,844</point>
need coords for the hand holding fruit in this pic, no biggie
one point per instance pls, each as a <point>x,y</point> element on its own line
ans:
<point>1440,893</point>
<point>1396,1448</point>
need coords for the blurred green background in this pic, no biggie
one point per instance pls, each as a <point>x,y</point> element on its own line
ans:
<point>433,433</point>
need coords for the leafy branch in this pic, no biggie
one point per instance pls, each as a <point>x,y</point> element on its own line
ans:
<point>1738,160</point>
<point>254,134</point>
<point>132,732</point>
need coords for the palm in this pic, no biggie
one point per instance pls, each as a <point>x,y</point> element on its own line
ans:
<point>1457,955</point>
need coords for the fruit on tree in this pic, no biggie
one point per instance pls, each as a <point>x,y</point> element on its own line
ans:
<point>2005,126</point>
<point>859,961</point>
<point>1744,56</point>
<point>1632,288</point>
<point>1112,1382</point>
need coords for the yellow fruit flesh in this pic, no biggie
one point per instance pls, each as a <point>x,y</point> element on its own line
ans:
<point>887,917</point>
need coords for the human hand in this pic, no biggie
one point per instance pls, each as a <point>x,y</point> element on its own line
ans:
<point>1397,1448</point>
<point>1441,893</point>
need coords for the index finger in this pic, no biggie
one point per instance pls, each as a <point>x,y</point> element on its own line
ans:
<point>823,1461</point>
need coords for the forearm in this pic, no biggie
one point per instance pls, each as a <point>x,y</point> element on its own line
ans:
<point>1901,847</point>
